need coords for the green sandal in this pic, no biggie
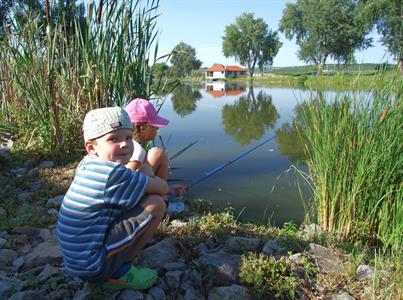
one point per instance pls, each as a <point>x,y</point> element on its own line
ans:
<point>135,279</point>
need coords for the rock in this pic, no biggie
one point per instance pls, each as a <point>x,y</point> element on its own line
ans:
<point>27,295</point>
<point>7,256</point>
<point>52,212</point>
<point>159,254</point>
<point>229,293</point>
<point>47,272</point>
<point>46,164</point>
<point>241,244</point>
<point>173,279</point>
<point>193,276</point>
<point>3,213</point>
<point>86,291</point>
<point>156,293</point>
<point>326,259</point>
<point>339,296</point>
<point>17,264</point>
<point>3,242</point>
<point>46,252</point>
<point>202,249</point>
<point>44,234</point>
<point>130,295</point>
<point>193,294</point>
<point>176,265</point>
<point>19,172</point>
<point>55,202</point>
<point>296,257</point>
<point>27,230</point>
<point>6,285</point>
<point>313,231</point>
<point>271,247</point>
<point>226,265</point>
<point>22,197</point>
<point>365,271</point>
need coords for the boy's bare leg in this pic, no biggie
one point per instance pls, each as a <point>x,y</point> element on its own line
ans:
<point>158,160</point>
<point>156,206</point>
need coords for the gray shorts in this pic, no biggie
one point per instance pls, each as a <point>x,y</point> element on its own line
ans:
<point>121,239</point>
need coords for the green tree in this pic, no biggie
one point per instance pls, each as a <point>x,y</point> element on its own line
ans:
<point>326,28</point>
<point>249,117</point>
<point>388,17</point>
<point>184,100</point>
<point>184,60</point>
<point>250,42</point>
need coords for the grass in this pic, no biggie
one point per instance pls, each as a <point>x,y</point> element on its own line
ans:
<point>355,160</point>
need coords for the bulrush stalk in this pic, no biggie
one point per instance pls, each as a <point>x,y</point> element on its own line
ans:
<point>355,158</point>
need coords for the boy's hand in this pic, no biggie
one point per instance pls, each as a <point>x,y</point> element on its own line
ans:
<point>180,190</point>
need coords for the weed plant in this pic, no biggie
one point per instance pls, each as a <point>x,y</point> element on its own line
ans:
<point>51,77</point>
<point>355,156</point>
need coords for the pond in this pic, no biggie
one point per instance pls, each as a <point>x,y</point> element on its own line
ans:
<point>227,119</point>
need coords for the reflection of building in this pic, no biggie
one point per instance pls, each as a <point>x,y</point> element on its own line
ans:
<point>221,88</point>
<point>218,71</point>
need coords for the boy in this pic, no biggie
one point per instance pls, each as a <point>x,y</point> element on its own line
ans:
<point>109,212</point>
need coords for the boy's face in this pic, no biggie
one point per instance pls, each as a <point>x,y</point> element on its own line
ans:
<point>115,146</point>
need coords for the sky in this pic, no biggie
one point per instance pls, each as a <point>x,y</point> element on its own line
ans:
<point>201,24</point>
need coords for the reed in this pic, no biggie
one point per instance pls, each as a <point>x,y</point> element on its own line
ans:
<point>355,156</point>
<point>51,77</point>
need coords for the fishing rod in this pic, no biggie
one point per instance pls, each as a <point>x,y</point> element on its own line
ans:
<point>219,168</point>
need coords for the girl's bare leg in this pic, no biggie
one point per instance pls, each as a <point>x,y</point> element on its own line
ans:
<point>158,160</point>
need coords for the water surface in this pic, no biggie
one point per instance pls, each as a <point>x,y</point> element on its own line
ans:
<point>228,119</point>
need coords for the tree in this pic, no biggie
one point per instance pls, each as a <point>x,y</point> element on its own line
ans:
<point>250,42</point>
<point>326,28</point>
<point>388,17</point>
<point>184,100</point>
<point>184,60</point>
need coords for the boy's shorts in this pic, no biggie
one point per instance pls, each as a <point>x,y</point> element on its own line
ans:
<point>122,238</point>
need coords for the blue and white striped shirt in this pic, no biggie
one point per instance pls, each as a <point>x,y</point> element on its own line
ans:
<point>98,195</point>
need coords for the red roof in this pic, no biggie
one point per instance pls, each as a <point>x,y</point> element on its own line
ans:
<point>220,68</point>
<point>216,93</point>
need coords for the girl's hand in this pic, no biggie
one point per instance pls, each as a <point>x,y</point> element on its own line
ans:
<point>179,189</point>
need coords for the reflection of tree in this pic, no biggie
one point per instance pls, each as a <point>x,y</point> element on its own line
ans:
<point>250,117</point>
<point>290,136</point>
<point>184,100</point>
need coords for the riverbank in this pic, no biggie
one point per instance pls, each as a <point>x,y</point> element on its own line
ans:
<point>201,254</point>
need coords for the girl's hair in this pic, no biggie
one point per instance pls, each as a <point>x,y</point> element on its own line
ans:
<point>137,132</point>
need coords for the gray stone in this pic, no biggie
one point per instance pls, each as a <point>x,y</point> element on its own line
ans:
<point>3,213</point>
<point>193,294</point>
<point>312,231</point>
<point>326,259</point>
<point>45,252</point>
<point>159,254</point>
<point>22,197</point>
<point>339,296</point>
<point>46,164</point>
<point>6,285</point>
<point>86,291</point>
<point>48,272</point>
<point>229,293</point>
<point>193,275</point>
<point>241,244</point>
<point>365,271</point>
<point>44,234</point>
<point>55,202</point>
<point>225,265</point>
<point>130,295</point>
<point>7,256</point>
<point>202,249</point>
<point>27,295</point>
<point>52,212</point>
<point>19,172</point>
<point>3,242</point>
<point>296,257</point>
<point>271,247</point>
<point>17,264</point>
<point>156,293</point>
<point>173,278</point>
<point>176,265</point>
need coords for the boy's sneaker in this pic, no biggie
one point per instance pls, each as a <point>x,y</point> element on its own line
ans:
<point>135,279</point>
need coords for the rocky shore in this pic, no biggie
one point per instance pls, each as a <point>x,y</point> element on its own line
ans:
<point>192,263</point>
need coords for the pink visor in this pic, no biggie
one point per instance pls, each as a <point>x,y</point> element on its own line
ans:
<point>142,111</point>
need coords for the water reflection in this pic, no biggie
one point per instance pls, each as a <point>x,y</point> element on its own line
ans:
<point>221,88</point>
<point>184,100</point>
<point>249,117</point>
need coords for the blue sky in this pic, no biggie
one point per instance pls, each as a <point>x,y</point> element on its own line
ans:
<point>201,24</point>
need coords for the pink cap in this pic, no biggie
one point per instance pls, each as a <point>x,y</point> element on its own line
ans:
<point>142,111</point>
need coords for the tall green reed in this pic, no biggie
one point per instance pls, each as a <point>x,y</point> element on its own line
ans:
<point>355,158</point>
<point>51,77</point>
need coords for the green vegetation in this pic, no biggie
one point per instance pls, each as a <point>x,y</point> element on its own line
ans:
<point>183,60</point>
<point>323,29</point>
<point>355,160</point>
<point>250,42</point>
<point>50,81</point>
